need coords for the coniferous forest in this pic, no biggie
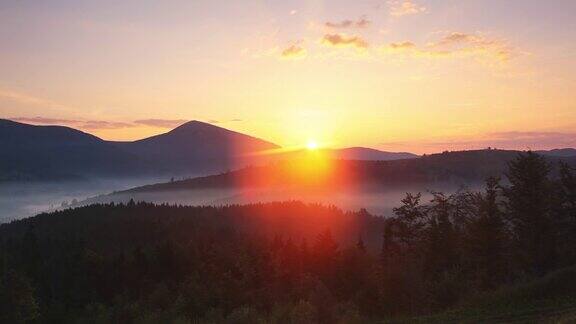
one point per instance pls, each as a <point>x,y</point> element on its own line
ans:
<point>290,262</point>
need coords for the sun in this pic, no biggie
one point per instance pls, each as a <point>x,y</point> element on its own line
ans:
<point>311,145</point>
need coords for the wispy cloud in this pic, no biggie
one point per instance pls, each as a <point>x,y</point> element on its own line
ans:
<point>339,40</point>
<point>535,139</point>
<point>103,124</point>
<point>216,121</point>
<point>511,140</point>
<point>44,120</point>
<point>294,52</point>
<point>401,46</point>
<point>28,99</point>
<point>360,23</point>
<point>161,123</point>
<point>457,44</point>
<point>82,124</point>
<point>399,8</point>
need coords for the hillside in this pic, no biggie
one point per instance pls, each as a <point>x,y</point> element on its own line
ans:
<point>30,152</point>
<point>197,146</point>
<point>39,153</point>
<point>564,152</point>
<point>457,168</point>
<point>450,258</point>
<point>368,154</point>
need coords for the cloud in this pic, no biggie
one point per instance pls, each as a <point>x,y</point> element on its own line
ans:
<point>401,46</point>
<point>294,52</point>
<point>102,124</point>
<point>457,45</point>
<point>361,23</point>
<point>23,98</point>
<point>458,38</point>
<point>338,40</point>
<point>216,121</point>
<point>44,120</point>
<point>476,44</point>
<point>82,124</point>
<point>399,8</point>
<point>161,123</point>
<point>512,140</point>
<point>535,139</point>
<point>508,140</point>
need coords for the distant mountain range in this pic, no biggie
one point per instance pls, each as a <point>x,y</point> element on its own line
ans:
<point>565,152</point>
<point>449,168</point>
<point>197,147</point>
<point>29,152</point>
<point>368,154</point>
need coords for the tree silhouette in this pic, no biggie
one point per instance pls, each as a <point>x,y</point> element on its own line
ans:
<point>529,210</point>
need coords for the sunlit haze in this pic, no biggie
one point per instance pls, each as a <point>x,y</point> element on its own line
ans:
<point>312,145</point>
<point>401,75</point>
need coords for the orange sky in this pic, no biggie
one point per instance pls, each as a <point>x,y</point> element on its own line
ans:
<point>399,75</point>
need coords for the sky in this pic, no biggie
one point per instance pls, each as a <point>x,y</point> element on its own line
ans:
<point>398,75</point>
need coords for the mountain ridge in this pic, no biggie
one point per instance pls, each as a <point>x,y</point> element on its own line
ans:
<point>53,152</point>
<point>460,168</point>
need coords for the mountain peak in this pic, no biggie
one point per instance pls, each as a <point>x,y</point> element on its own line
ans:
<point>196,125</point>
<point>193,123</point>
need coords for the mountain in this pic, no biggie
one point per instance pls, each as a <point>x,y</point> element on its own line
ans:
<point>196,145</point>
<point>30,152</point>
<point>368,154</point>
<point>564,152</point>
<point>455,168</point>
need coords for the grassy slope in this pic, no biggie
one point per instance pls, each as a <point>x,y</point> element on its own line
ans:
<point>551,299</point>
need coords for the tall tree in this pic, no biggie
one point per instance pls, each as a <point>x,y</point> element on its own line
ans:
<point>441,251</point>
<point>529,210</point>
<point>565,212</point>
<point>485,239</point>
<point>325,251</point>
<point>17,301</point>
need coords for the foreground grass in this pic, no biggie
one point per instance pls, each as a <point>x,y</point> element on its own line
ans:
<point>551,299</point>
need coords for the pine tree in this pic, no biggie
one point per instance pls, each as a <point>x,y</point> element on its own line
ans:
<point>529,210</point>
<point>565,214</point>
<point>325,251</point>
<point>17,301</point>
<point>410,219</point>
<point>486,237</point>
<point>568,191</point>
<point>441,251</point>
<point>360,244</point>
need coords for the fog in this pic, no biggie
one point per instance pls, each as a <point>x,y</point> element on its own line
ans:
<point>379,202</point>
<point>20,200</point>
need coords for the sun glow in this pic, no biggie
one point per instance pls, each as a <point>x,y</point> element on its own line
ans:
<point>311,145</point>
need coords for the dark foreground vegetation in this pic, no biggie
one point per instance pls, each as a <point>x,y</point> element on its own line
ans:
<point>457,255</point>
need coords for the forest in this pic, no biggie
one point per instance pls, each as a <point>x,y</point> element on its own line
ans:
<point>291,262</point>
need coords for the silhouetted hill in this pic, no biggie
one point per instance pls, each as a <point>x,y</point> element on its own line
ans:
<point>564,152</point>
<point>30,152</point>
<point>196,145</point>
<point>363,153</point>
<point>459,168</point>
